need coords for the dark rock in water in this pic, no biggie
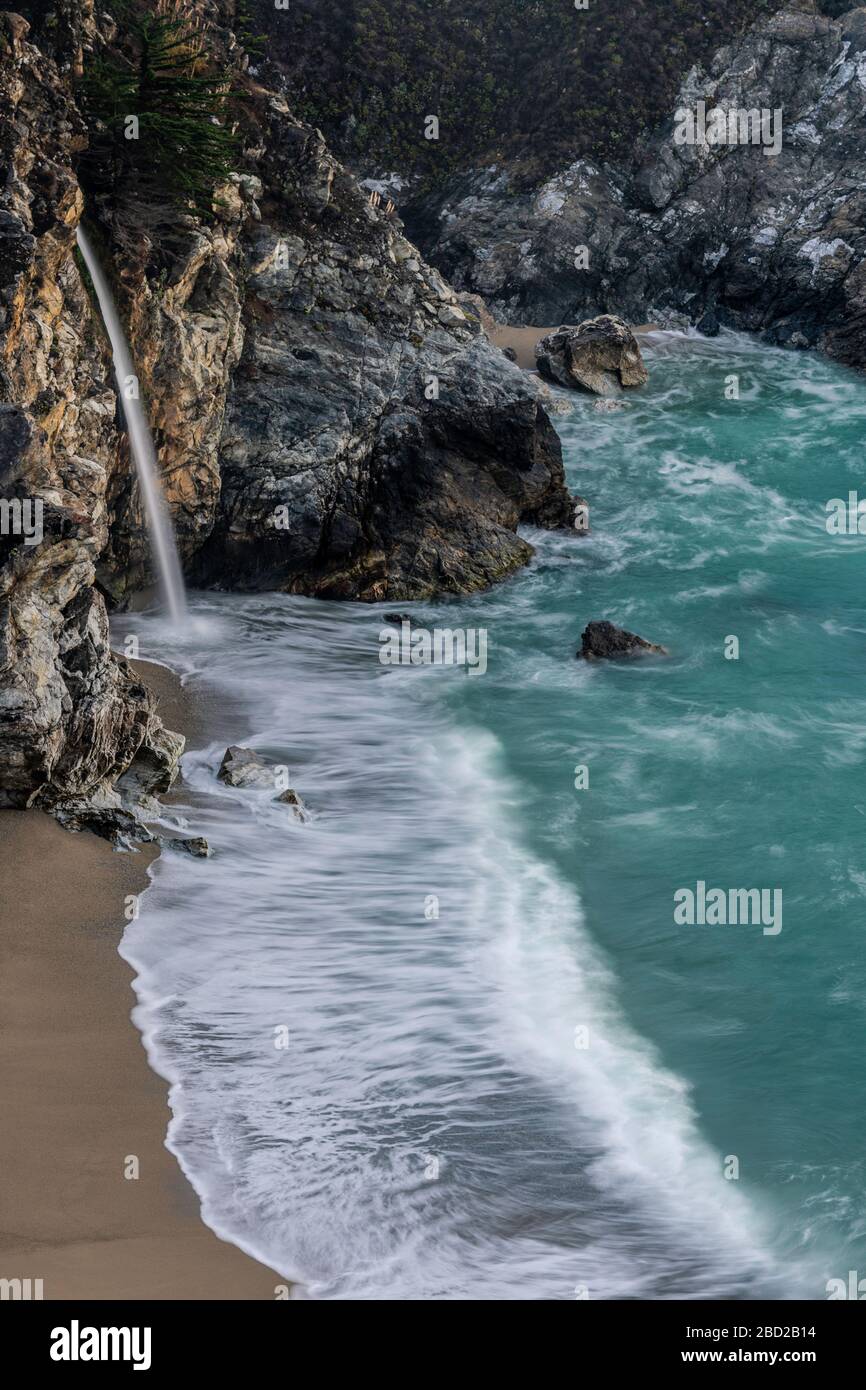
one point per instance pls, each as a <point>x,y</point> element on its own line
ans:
<point>397,618</point>
<point>599,355</point>
<point>510,353</point>
<point>708,324</point>
<point>291,798</point>
<point>604,641</point>
<point>241,767</point>
<point>197,845</point>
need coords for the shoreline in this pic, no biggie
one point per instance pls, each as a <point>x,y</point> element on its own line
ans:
<point>78,1096</point>
<point>522,339</point>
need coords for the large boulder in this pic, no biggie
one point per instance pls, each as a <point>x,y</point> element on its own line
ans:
<point>599,355</point>
<point>603,641</point>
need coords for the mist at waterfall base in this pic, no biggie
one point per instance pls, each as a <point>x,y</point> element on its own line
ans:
<point>432,1130</point>
<point>141,447</point>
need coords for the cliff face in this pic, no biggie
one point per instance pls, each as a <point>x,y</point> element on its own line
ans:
<point>375,444</point>
<point>72,716</point>
<point>770,243</point>
<point>327,418</point>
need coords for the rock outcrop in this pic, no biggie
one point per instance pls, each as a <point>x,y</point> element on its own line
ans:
<point>767,236</point>
<point>599,355</point>
<point>603,641</point>
<point>243,767</point>
<point>375,445</point>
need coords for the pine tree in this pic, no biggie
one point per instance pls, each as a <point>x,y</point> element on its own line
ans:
<point>156,116</point>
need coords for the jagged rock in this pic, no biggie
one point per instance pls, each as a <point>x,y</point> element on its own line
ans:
<point>152,771</point>
<point>242,767</point>
<point>598,355</point>
<point>291,798</point>
<point>123,829</point>
<point>375,444</point>
<point>474,307</point>
<point>773,244</point>
<point>603,641</point>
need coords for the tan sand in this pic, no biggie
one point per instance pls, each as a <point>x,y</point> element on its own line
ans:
<point>523,340</point>
<point>77,1095</point>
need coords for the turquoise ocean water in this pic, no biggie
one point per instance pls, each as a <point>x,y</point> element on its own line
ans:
<point>510,1073</point>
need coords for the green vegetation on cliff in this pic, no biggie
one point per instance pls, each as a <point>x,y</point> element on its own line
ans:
<point>531,78</point>
<point>155,109</point>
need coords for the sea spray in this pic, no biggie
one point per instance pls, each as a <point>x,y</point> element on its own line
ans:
<point>140,442</point>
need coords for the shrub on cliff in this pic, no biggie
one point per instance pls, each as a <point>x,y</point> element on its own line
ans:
<point>156,113</point>
<point>540,80</point>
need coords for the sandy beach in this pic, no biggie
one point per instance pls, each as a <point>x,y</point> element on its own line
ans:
<point>77,1095</point>
<point>523,340</point>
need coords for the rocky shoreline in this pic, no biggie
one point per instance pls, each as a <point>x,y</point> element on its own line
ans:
<point>769,239</point>
<point>330,415</point>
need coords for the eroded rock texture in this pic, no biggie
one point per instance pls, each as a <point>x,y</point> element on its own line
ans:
<point>375,444</point>
<point>599,355</point>
<point>72,716</point>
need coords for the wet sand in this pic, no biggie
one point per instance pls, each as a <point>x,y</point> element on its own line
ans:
<point>77,1096</point>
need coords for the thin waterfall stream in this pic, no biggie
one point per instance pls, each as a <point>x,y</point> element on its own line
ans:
<point>140,442</point>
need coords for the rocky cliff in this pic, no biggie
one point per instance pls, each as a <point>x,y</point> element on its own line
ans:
<point>704,232</point>
<point>327,418</point>
<point>375,445</point>
<point>72,716</point>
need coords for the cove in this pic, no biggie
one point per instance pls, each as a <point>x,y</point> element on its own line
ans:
<point>577,1071</point>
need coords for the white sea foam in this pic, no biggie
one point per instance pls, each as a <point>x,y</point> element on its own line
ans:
<point>415,1044</point>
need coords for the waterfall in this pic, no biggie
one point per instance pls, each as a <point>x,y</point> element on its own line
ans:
<point>141,444</point>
